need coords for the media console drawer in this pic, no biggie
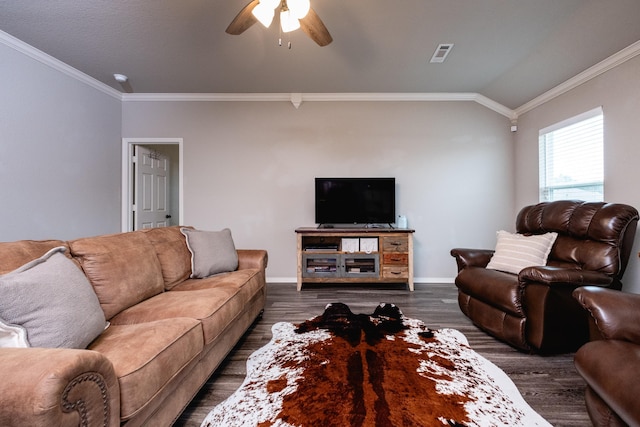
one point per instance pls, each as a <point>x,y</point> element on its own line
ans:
<point>395,272</point>
<point>395,258</point>
<point>395,244</point>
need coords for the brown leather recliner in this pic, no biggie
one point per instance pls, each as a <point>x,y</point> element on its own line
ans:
<point>534,310</point>
<point>610,363</point>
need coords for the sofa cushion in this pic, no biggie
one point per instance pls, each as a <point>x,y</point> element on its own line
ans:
<point>123,269</point>
<point>16,254</point>
<point>147,356</point>
<point>233,279</point>
<point>517,251</point>
<point>216,307</point>
<point>212,252</point>
<point>172,251</point>
<point>52,301</point>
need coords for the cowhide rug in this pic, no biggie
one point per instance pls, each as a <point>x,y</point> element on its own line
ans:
<point>384,369</point>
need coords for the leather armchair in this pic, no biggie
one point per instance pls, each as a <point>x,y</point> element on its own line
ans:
<point>534,310</point>
<point>610,362</point>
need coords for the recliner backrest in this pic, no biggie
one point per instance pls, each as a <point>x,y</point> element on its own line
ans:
<point>594,236</point>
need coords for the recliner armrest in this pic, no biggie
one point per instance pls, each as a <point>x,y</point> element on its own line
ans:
<point>615,313</point>
<point>471,257</point>
<point>558,276</point>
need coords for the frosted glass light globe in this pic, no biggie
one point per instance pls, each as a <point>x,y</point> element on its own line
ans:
<point>263,13</point>
<point>299,8</point>
<point>288,21</point>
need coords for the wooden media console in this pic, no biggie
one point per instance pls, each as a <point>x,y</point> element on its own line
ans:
<point>355,255</point>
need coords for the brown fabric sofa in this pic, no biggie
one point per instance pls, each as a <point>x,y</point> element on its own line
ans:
<point>533,310</point>
<point>167,333</point>
<point>610,362</point>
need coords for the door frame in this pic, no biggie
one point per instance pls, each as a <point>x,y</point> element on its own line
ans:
<point>126,223</point>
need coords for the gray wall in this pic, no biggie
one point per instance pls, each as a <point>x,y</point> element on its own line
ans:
<point>250,166</point>
<point>618,92</point>
<point>59,153</point>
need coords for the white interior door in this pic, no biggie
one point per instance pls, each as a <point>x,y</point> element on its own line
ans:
<point>152,189</point>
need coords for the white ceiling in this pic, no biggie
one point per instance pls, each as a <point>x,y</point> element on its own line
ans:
<point>510,51</point>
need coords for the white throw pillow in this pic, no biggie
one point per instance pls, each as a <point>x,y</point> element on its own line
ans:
<point>12,336</point>
<point>212,252</point>
<point>49,302</point>
<point>517,251</point>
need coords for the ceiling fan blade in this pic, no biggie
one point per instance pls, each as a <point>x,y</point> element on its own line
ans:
<point>313,26</point>
<point>243,20</point>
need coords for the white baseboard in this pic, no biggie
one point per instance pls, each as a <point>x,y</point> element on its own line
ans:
<point>416,280</point>
<point>433,280</point>
<point>281,279</point>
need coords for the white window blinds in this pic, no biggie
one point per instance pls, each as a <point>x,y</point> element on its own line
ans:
<point>572,160</point>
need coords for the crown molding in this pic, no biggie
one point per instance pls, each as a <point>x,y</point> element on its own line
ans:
<point>428,97</point>
<point>205,97</point>
<point>495,106</point>
<point>297,98</point>
<point>56,64</point>
<point>590,73</point>
<point>339,97</point>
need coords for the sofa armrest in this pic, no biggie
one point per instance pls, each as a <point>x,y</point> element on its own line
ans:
<point>252,258</point>
<point>471,257</point>
<point>557,276</point>
<point>43,387</point>
<point>615,313</point>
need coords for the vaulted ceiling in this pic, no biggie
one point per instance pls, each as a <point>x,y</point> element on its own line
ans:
<point>510,51</point>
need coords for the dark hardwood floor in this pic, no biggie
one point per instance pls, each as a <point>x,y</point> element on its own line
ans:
<point>550,384</point>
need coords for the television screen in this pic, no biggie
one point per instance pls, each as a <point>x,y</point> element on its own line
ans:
<point>355,200</point>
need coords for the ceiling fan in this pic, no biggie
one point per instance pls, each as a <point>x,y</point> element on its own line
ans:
<point>294,14</point>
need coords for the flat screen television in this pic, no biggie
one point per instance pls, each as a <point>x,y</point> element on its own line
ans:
<point>355,200</point>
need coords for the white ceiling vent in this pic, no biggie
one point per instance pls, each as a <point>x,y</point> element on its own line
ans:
<point>441,52</point>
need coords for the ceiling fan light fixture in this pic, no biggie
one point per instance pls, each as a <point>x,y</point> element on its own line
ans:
<point>288,21</point>
<point>299,8</point>
<point>300,16</point>
<point>263,13</point>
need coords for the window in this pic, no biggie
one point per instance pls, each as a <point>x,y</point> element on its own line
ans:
<point>571,159</point>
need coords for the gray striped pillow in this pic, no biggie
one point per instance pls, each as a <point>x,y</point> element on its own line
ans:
<point>517,251</point>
